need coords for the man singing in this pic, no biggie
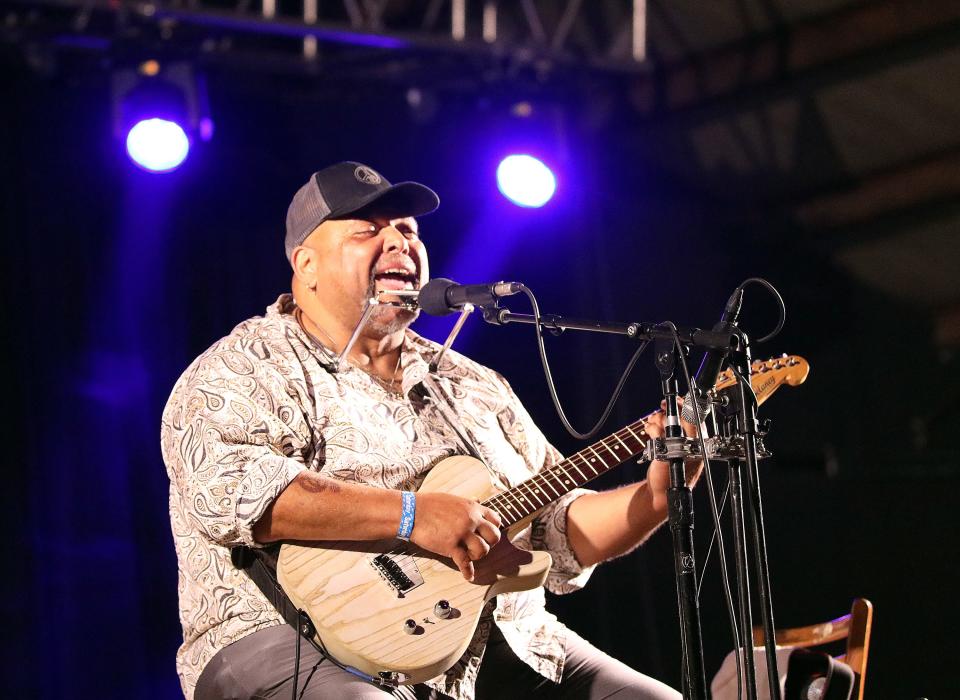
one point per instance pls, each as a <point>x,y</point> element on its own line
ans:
<point>265,440</point>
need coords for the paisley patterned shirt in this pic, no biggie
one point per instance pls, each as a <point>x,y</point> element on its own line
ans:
<point>259,407</point>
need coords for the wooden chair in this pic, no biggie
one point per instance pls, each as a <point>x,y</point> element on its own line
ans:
<point>855,628</point>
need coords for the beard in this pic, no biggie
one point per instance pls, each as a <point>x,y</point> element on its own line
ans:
<point>387,320</point>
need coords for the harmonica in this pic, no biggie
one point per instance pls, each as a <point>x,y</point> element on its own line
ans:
<point>409,298</point>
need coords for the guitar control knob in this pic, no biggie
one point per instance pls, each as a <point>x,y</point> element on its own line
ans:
<point>442,609</point>
<point>410,626</point>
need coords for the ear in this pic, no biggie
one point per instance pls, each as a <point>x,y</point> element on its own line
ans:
<point>304,262</point>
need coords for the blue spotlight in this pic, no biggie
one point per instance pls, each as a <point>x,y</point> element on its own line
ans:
<point>525,181</point>
<point>157,145</point>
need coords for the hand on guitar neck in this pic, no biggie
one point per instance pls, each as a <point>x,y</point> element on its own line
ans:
<point>658,473</point>
<point>609,524</point>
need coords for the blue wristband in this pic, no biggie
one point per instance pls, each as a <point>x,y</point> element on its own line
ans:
<point>406,515</point>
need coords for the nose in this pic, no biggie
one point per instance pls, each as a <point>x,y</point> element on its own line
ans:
<point>394,240</point>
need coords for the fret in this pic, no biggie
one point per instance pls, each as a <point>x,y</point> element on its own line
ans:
<point>549,485</point>
<point>633,443</point>
<point>605,446</point>
<point>598,457</point>
<point>524,503</point>
<point>509,508</point>
<point>582,475</point>
<point>593,472</point>
<point>629,451</point>
<point>544,477</point>
<point>568,481</point>
<point>532,493</point>
<point>519,504</point>
<point>637,437</point>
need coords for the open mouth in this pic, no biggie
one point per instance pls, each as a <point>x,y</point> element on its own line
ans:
<point>394,279</point>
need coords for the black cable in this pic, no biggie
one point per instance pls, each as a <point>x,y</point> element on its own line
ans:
<point>553,389</point>
<point>713,538</point>
<point>783,307</point>
<point>296,665</point>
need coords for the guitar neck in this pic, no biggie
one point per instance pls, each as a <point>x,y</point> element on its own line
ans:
<point>549,485</point>
<point>539,491</point>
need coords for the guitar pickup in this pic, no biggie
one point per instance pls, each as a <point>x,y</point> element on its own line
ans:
<point>399,571</point>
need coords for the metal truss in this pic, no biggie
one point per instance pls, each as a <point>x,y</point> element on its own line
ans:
<point>607,35</point>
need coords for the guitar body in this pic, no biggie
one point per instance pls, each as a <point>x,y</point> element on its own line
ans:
<point>360,595</point>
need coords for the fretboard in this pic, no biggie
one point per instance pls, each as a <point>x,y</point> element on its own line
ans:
<point>539,491</point>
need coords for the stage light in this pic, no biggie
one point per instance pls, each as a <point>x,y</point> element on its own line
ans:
<point>525,181</point>
<point>160,111</point>
<point>157,145</point>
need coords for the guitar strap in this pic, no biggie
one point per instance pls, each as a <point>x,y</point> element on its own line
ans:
<point>261,566</point>
<point>429,390</point>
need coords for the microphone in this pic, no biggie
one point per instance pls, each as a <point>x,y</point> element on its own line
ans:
<point>442,296</point>
<point>712,362</point>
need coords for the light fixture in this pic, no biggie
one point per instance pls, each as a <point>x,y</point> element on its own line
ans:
<point>526,181</point>
<point>159,111</point>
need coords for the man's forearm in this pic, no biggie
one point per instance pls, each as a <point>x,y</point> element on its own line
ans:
<point>609,524</point>
<point>313,507</point>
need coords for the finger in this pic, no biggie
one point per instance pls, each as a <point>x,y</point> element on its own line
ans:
<point>492,516</point>
<point>477,547</point>
<point>659,500</point>
<point>489,532</point>
<point>654,429</point>
<point>462,559</point>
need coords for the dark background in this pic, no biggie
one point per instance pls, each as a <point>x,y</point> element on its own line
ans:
<point>114,280</point>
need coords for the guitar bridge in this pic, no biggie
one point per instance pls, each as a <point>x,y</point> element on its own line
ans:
<point>400,572</point>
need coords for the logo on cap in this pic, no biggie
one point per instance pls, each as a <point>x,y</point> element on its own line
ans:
<point>366,175</point>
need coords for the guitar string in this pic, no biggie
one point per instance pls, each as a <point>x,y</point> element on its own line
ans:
<point>548,479</point>
<point>402,554</point>
<point>403,550</point>
<point>544,478</point>
<point>553,477</point>
<point>552,472</point>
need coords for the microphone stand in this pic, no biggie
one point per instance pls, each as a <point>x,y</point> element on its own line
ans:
<point>680,509</point>
<point>738,445</point>
<point>740,422</point>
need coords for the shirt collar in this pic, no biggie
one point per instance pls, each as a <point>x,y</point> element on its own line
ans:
<point>416,352</point>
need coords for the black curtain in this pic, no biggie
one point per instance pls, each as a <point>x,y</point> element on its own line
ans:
<point>116,279</point>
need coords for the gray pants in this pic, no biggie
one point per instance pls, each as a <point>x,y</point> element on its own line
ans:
<point>261,666</point>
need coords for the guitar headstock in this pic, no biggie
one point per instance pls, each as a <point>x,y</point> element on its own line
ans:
<point>766,376</point>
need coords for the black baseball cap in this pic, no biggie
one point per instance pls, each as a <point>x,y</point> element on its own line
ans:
<point>351,188</point>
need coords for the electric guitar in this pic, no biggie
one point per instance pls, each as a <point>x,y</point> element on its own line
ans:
<point>405,615</point>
